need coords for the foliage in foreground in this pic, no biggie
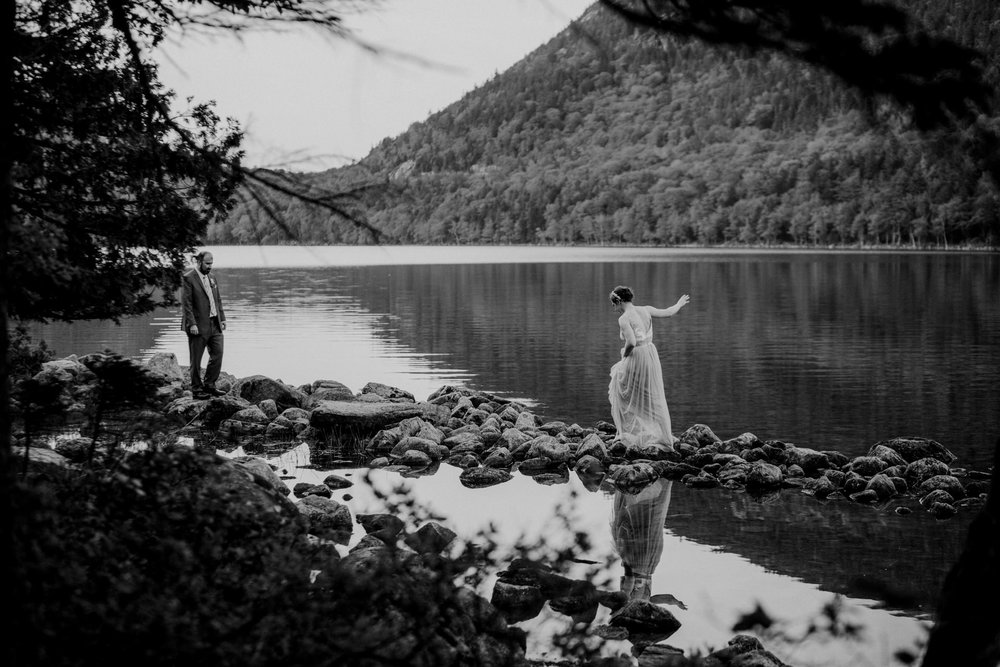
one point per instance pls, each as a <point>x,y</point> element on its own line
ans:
<point>167,557</point>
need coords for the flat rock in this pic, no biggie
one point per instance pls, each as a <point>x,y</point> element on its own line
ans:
<point>363,417</point>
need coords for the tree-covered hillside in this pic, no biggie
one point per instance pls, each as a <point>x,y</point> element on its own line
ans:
<point>611,134</point>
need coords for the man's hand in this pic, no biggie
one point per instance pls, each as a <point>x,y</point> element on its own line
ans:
<point>194,329</point>
<point>223,326</point>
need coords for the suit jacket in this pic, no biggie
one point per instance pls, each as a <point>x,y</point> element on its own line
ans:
<point>194,300</point>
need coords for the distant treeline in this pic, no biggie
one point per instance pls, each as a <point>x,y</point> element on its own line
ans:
<point>626,137</point>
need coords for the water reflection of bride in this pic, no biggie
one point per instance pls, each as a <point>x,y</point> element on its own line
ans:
<point>637,525</point>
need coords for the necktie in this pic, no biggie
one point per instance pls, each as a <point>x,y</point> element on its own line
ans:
<point>212,312</point>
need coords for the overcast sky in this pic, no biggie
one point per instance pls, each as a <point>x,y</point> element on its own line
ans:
<point>308,102</point>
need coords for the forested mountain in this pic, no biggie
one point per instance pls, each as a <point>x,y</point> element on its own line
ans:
<point>610,134</point>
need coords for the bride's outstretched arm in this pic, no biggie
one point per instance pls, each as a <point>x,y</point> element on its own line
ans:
<point>672,310</point>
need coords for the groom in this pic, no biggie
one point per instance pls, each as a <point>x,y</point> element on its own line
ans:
<point>203,322</point>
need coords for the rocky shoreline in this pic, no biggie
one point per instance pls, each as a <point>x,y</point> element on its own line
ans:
<point>490,439</point>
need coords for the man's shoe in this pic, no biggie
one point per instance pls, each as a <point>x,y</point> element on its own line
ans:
<point>212,391</point>
<point>201,394</point>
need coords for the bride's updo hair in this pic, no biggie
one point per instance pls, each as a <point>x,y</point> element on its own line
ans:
<point>621,293</point>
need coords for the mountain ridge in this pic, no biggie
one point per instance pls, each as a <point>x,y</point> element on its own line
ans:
<point>609,134</point>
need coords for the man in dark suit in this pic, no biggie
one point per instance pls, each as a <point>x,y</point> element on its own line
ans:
<point>204,320</point>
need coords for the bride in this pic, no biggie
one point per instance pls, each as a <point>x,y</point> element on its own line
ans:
<point>638,402</point>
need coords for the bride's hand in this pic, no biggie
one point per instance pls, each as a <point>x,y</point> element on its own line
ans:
<point>683,301</point>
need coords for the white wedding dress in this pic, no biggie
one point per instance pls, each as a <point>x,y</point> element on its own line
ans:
<point>638,401</point>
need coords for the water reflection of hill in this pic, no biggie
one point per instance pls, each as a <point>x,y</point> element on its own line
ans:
<point>835,545</point>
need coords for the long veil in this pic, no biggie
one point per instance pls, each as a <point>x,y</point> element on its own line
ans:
<point>637,525</point>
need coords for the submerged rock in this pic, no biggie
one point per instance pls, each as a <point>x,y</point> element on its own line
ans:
<point>479,477</point>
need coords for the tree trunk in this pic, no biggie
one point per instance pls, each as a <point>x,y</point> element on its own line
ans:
<point>6,457</point>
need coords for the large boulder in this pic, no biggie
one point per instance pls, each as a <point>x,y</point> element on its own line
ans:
<point>740,443</point>
<point>810,460</point>
<point>326,518</point>
<point>164,365</point>
<point>699,435</point>
<point>70,381</point>
<point>414,458</point>
<point>251,415</point>
<point>887,454</point>
<point>734,473</point>
<point>257,388</point>
<point>262,473</point>
<point>410,443</point>
<point>764,475</point>
<point>65,371</point>
<point>947,483</point>
<point>866,466</point>
<point>921,469</point>
<point>384,526</point>
<point>41,460</point>
<point>912,449</point>
<point>420,428</point>
<point>651,451</point>
<point>218,409</point>
<point>499,458</point>
<point>546,446</point>
<point>512,438</point>
<point>526,422</point>
<point>593,445</point>
<point>244,486</point>
<point>643,618</point>
<point>882,486</point>
<point>76,450</point>
<point>465,442</point>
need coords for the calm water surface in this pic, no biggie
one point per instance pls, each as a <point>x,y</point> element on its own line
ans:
<point>831,350</point>
<point>828,350</point>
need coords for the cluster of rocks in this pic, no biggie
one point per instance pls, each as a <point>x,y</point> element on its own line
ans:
<point>490,438</point>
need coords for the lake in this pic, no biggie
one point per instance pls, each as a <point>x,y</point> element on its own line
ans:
<point>830,350</point>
